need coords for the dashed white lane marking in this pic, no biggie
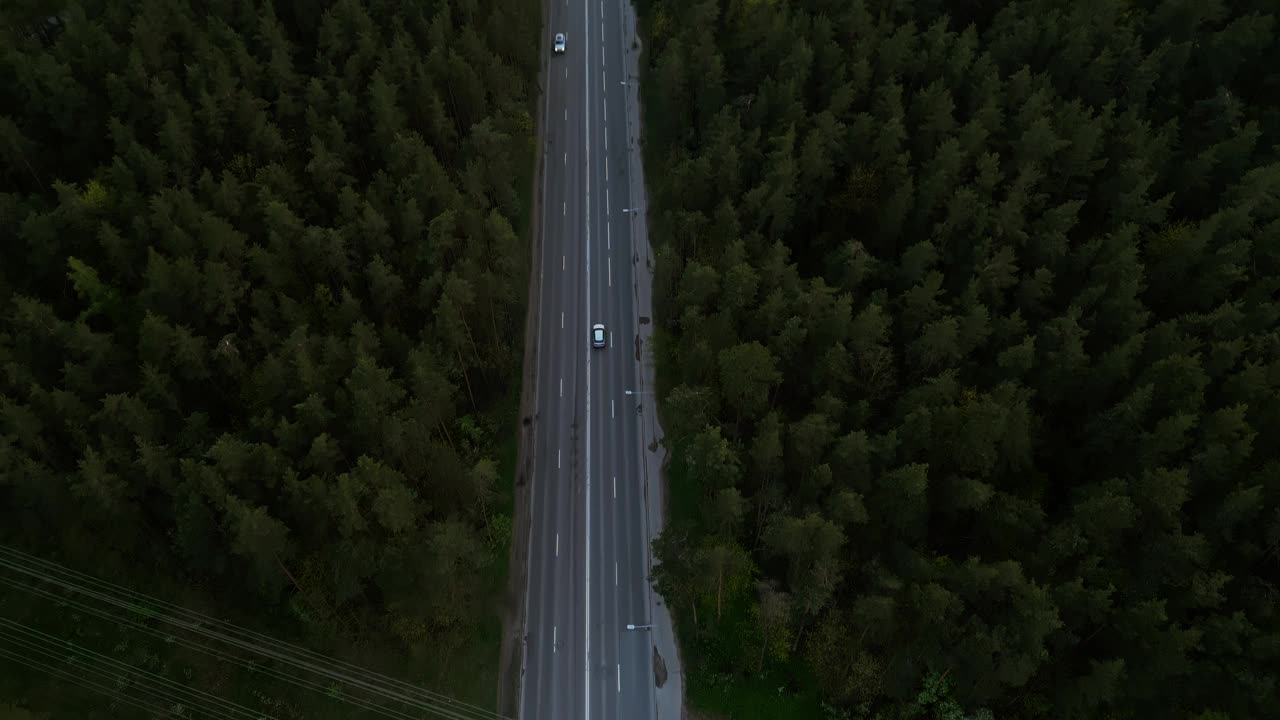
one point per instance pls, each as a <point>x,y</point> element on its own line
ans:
<point>562,325</point>
<point>553,639</point>
<point>610,259</point>
<point>557,458</point>
<point>619,677</point>
<point>615,487</point>
<point>562,263</point>
<point>608,237</point>
<point>612,415</point>
<point>606,161</point>
<point>566,159</point>
<point>566,114</point>
<point>606,194</point>
<point>606,146</point>
<point>561,387</point>
<point>557,544</point>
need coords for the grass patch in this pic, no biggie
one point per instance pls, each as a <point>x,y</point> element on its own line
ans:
<point>736,699</point>
<point>718,680</point>
<point>471,674</point>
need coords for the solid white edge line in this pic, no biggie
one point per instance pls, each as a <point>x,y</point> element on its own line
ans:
<point>586,586</point>
<point>528,588</point>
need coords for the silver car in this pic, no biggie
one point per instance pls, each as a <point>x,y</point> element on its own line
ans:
<point>559,45</point>
<point>597,336</point>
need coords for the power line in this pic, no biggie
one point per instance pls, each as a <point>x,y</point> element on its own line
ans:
<point>251,637</point>
<point>118,681</point>
<point>242,638</point>
<point>32,638</point>
<point>74,679</point>
<point>221,655</point>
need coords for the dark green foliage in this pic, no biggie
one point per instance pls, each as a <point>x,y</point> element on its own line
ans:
<point>970,314</point>
<point>261,304</point>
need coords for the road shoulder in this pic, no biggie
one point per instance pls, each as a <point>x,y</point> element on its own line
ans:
<point>669,695</point>
<point>514,620</point>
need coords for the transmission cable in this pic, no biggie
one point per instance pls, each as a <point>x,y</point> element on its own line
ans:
<point>460,710</point>
<point>164,695</point>
<point>175,688</point>
<point>450,713</point>
<point>74,679</point>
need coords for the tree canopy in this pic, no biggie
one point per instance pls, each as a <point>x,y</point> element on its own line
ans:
<point>261,307</point>
<point>971,349</point>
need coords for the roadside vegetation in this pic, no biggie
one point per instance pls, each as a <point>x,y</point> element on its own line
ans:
<point>970,355</point>
<point>262,298</point>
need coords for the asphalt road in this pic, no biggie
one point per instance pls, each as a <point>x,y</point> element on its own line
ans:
<point>589,534</point>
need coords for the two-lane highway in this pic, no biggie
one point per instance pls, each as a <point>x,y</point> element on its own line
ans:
<point>588,533</point>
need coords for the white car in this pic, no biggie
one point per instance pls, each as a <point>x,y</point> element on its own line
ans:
<point>597,336</point>
<point>559,45</point>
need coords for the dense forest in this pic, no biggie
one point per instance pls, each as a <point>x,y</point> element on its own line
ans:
<point>970,321</point>
<point>262,296</point>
